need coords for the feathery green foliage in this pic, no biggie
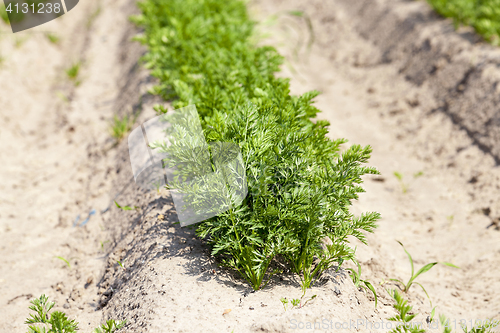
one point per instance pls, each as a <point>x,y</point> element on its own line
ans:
<point>3,14</point>
<point>300,185</point>
<point>57,321</point>
<point>483,15</point>
<point>483,327</point>
<point>404,316</point>
<point>110,326</point>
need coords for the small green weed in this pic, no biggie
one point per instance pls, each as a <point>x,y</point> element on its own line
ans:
<point>53,38</point>
<point>406,286</point>
<point>400,178</point>
<point>404,315</point>
<point>358,283</point>
<point>295,302</point>
<point>103,243</point>
<point>479,327</point>
<point>110,326</point>
<point>126,207</point>
<point>62,96</point>
<point>57,321</point>
<point>445,323</point>
<point>121,264</point>
<point>121,127</point>
<point>405,186</point>
<point>74,71</point>
<point>486,327</point>
<point>3,14</point>
<point>63,259</point>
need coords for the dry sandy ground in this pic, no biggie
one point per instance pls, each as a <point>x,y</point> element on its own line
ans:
<point>58,162</point>
<point>57,155</point>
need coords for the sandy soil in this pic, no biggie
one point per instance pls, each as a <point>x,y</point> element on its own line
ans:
<point>425,104</point>
<point>57,155</point>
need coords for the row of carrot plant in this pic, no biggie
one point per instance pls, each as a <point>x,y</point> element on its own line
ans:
<point>300,184</point>
<point>483,15</point>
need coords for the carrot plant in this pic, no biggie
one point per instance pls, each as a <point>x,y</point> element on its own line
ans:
<point>404,316</point>
<point>42,321</point>
<point>300,184</point>
<point>483,15</point>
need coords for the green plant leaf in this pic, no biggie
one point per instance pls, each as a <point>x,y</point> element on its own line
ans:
<point>372,289</point>
<point>126,207</point>
<point>420,271</point>
<point>63,259</point>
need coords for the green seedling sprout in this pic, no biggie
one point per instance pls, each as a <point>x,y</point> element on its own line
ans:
<point>110,326</point>
<point>58,322</point>
<point>486,327</point>
<point>121,127</point>
<point>405,186</point>
<point>433,313</point>
<point>53,38</point>
<point>63,259</point>
<point>284,301</point>
<point>445,323</point>
<point>296,302</point>
<point>356,279</point>
<point>121,264</point>
<point>62,96</point>
<point>126,207</point>
<point>102,244</point>
<point>480,327</point>
<point>418,174</point>
<point>400,179</point>
<point>406,286</point>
